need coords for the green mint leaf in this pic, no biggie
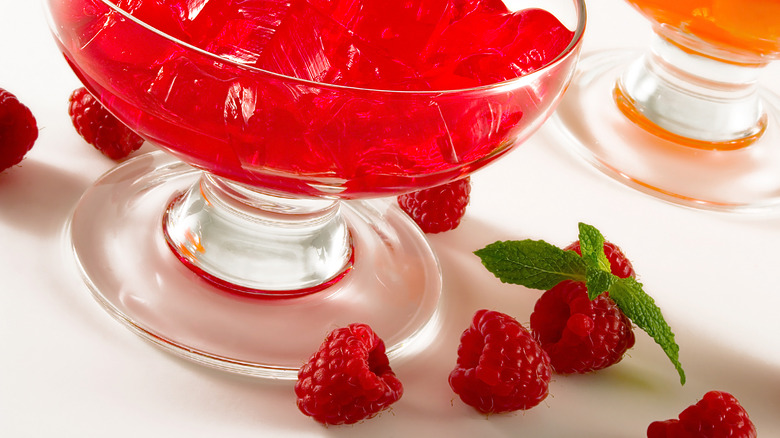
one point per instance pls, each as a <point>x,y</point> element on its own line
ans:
<point>539,265</point>
<point>592,247</point>
<point>599,277</point>
<point>531,263</point>
<point>597,281</point>
<point>642,310</point>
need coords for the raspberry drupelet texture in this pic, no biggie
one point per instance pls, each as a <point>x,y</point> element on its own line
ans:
<point>500,367</point>
<point>100,128</point>
<point>348,379</point>
<point>582,335</point>
<point>439,208</point>
<point>18,130</point>
<point>717,415</point>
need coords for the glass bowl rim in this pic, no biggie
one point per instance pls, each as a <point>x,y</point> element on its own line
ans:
<point>520,81</point>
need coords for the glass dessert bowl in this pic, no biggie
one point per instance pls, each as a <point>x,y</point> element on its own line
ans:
<point>285,128</point>
<point>686,120</point>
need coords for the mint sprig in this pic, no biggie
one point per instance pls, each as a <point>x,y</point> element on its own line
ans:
<point>537,264</point>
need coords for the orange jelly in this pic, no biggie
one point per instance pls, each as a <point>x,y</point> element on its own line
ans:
<point>746,27</point>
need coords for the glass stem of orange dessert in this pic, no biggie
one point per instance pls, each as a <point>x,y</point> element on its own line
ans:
<point>692,98</point>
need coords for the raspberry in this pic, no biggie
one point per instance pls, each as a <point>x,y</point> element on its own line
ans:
<point>439,208</point>
<point>579,334</point>
<point>348,379</point>
<point>18,130</point>
<point>100,128</point>
<point>500,366</point>
<point>717,414</point>
<point>618,262</point>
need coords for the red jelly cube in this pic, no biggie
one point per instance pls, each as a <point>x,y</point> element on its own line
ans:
<point>101,39</point>
<point>541,38</point>
<point>238,29</point>
<point>401,28</point>
<point>310,45</point>
<point>168,16</point>
<point>487,47</point>
<point>461,8</point>
<point>266,124</point>
<point>300,44</point>
<point>479,125</point>
<point>370,137</point>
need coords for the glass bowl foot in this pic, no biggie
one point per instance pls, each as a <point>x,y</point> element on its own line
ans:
<point>116,233</point>
<point>746,179</point>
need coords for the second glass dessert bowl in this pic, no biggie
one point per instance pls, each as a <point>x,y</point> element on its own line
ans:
<point>688,119</point>
<point>265,223</point>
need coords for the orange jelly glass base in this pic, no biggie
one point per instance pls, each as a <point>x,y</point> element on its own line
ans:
<point>687,119</point>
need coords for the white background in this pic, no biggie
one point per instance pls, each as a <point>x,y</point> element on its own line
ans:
<point>68,369</point>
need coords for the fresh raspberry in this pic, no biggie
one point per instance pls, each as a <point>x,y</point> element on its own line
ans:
<point>500,367</point>
<point>618,262</point>
<point>579,334</point>
<point>439,208</point>
<point>348,379</point>
<point>18,130</point>
<point>718,414</point>
<point>100,128</point>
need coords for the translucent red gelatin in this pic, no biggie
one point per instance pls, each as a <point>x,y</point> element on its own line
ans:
<point>309,138</point>
<point>311,45</point>
<point>489,47</point>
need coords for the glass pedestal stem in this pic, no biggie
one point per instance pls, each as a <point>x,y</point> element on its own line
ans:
<point>247,241</point>
<point>692,98</point>
<point>677,124</point>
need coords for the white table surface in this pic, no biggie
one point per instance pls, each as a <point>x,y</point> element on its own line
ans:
<point>68,369</point>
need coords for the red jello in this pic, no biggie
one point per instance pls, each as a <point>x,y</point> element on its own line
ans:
<point>489,47</point>
<point>313,46</point>
<point>169,16</point>
<point>242,28</point>
<point>406,45</point>
<point>399,28</point>
<point>350,108</point>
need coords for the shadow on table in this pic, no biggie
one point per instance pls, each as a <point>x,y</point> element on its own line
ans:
<point>37,198</point>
